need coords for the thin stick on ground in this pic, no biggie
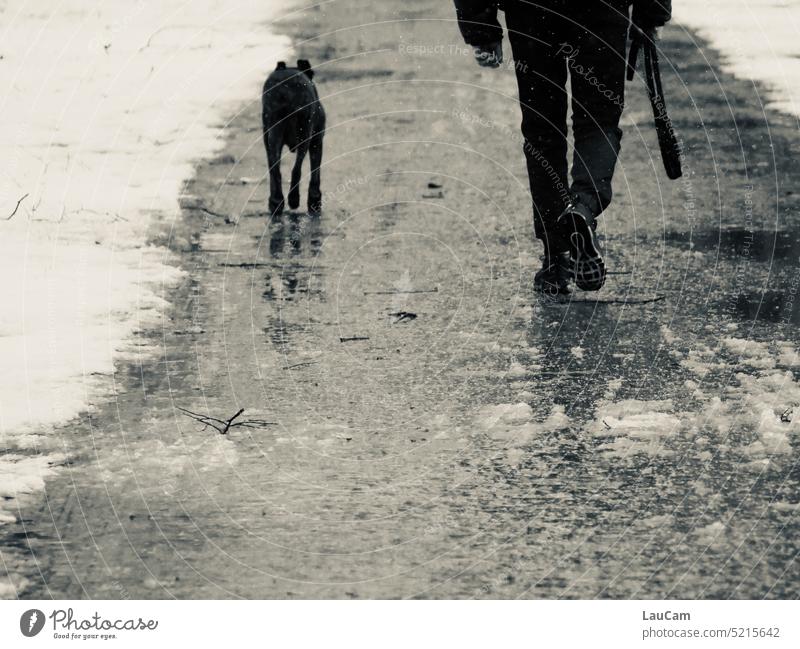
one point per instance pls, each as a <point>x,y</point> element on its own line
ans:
<point>222,426</point>
<point>631,301</point>
<point>413,292</point>
<point>16,207</point>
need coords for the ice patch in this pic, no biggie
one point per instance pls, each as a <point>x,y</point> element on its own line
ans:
<point>785,507</point>
<point>750,352</point>
<point>442,424</point>
<point>516,370</point>
<point>134,465</point>
<point>557,419</point>
<point>511,423</point>
<point>21,475</point>
<point>637,426</point>
<point>628,407</point>
<point>759,403</point>
<point>658,521</point>
<point>7,589</point>
<point>612,388</point>
<point>758,39</point>
<point>788,355</point>
<point>712,534</point>
<point>667,335</point>
<point>647,425</point>
<point>506,413</point>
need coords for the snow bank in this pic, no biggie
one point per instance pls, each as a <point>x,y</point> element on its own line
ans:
<point>105,107</point>
<point>758,40</point>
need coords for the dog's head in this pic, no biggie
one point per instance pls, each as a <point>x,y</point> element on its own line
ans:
<point>302,64</point>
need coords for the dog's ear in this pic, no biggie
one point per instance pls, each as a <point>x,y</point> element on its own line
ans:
<point>281,65</point>
<point>304,66</point>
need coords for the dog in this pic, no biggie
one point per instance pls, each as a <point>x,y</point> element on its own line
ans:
<point>292,115</point>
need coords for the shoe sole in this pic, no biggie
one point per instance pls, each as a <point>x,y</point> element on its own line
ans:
<point>585,256</point>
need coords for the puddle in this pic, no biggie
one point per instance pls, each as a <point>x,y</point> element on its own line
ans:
<point>296,235</point>
<point>757,245</point>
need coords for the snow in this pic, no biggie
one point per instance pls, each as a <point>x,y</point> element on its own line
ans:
<point>758,40</point>
<point>749,352</point>
<point>711,534</point>
<point>106,106</point>
<point>516,370</point>
<point>787,355</point>
<point>557,419</point>
<point>637,426</point>
<point>667,335</point>
<point>21,474</point>
<point>7,589</point>
<point>646,425</point>
<point>786,507</point>
<point>506,413</point>
<point>760,401</point>
<point>513,424</point>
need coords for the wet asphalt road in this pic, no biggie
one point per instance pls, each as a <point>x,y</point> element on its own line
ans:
<point>434,429</point>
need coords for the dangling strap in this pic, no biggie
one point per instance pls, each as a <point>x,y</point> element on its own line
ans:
<point>667,142</point>
<point>633,54</point>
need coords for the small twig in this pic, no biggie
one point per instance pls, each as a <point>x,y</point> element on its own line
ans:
<point>246,264</point>
<point>222,426</point>
<point>352,338</point>
<point>230,421</point>
<point>431,290</point>
<point>646,300</point>
<point>291,367</point>
<point>609,300</point>
<point>10,216</point>
<point>403,315</point>
<point>254,423</point>
<point>203,419</point>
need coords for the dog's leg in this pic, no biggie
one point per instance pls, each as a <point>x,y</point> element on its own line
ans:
<point>274,142</point>
<point>314,192</point>
<point>294,190</point>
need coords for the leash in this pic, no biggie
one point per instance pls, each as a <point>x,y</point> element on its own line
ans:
<point>667,142</point>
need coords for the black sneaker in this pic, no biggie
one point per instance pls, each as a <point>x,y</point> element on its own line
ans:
<point>577,224</point>
<point>555,274</point>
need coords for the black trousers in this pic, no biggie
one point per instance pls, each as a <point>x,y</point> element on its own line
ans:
<point>548,39</point>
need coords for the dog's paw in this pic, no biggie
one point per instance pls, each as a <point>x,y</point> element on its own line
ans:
<point>294,200</point>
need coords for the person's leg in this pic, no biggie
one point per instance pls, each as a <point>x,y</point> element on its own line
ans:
<point>597,76</point>
<point>540,65</point>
